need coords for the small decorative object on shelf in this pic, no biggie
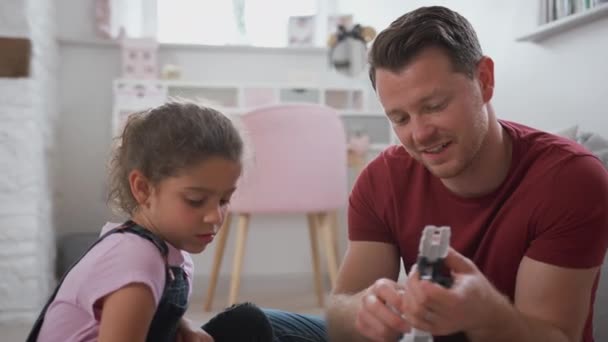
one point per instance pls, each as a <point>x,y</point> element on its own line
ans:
<point>335,21</point>
<point>358,146</point>
<point>348,48</point>
<point>359,143</point>
<point>103,19</point>
<point>139,58</point>
<point>301,31</point>
<point>171,72</point>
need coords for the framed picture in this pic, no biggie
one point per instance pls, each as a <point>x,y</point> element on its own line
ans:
<point>301,31</point>
<point>139,58</point>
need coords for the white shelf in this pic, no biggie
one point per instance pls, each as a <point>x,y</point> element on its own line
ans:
<point>564,24</point>
<point>341,112</point>
<point>99,42</point>
<point>351,102</point>
<point>236,111</point>
<point>353,99</point>
<point>295,85</point>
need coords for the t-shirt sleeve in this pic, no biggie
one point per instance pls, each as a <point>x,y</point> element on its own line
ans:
<point>130,259</point>
<point>367,205</point>
<point>572,222</point>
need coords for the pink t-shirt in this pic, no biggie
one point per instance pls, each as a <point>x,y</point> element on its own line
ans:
<point>120,259</point>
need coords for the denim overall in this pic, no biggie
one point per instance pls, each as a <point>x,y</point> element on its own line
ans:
<point>174,300</point>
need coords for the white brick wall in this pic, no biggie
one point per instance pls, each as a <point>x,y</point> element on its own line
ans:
<point>13,18</point>
<point>28,116</point>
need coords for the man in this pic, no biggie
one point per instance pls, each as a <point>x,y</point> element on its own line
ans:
<point>527,210</point>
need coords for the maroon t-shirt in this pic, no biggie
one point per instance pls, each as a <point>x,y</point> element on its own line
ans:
<point>552,207</point>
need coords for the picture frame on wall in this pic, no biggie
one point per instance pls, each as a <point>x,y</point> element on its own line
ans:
<point>301,30</point>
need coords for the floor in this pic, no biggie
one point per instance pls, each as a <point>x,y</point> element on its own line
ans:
<point>298,301</point>
<point>294,298</point>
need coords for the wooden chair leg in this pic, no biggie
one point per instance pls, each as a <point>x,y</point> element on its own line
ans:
<point>313,228</point>
<point>334,235</point>
<point>330,249</point>
<point>217,261</point>
<point>237,264</point>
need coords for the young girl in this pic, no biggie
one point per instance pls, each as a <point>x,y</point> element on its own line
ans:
<point>173,174</point>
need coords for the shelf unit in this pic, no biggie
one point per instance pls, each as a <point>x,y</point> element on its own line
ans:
<point>113,43</point>
<point>358,109</point>
<point>566,23</point>
<point>348,100</point>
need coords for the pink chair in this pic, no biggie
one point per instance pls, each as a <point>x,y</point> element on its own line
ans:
<point>299,166</point>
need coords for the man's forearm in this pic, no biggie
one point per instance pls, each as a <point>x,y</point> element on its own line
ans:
<point>341,315</point>
<point>509,324</point>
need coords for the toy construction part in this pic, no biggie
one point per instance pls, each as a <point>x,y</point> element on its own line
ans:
<point>348,49</point>
<point>433,249</point>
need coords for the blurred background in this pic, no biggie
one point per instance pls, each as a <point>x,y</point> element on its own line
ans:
<point>71,70</point>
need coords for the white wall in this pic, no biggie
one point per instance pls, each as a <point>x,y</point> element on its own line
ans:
<point>551,85</point>
<point>27,121</point>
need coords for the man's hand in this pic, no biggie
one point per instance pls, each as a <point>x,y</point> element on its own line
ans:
<point>187,333</point>
<point>466,306</point>
<point>378,318</point>
<point>349,315</point>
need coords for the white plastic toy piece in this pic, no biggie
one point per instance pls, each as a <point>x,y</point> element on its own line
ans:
<point>433,248</point>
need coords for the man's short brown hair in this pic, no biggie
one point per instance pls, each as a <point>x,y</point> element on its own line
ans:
<point>424,27</point>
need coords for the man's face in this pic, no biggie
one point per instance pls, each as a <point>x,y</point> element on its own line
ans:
<point>438,114</point>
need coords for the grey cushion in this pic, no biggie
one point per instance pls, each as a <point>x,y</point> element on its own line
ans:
<point>570,132</point>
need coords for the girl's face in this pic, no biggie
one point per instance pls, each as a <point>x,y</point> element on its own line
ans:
<point>187,210</point>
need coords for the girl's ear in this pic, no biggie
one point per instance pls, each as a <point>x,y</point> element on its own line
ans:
<point>140,187</point>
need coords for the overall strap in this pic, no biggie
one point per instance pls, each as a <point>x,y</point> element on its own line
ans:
<point>146,234</point>
<point>157,241</point>
<point>127,227</point>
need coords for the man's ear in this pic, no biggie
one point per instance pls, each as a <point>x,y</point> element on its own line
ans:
<point>140,187</point>
<point>485,76</point>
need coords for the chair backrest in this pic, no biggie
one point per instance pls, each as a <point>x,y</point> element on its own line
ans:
<point>299,162</point>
